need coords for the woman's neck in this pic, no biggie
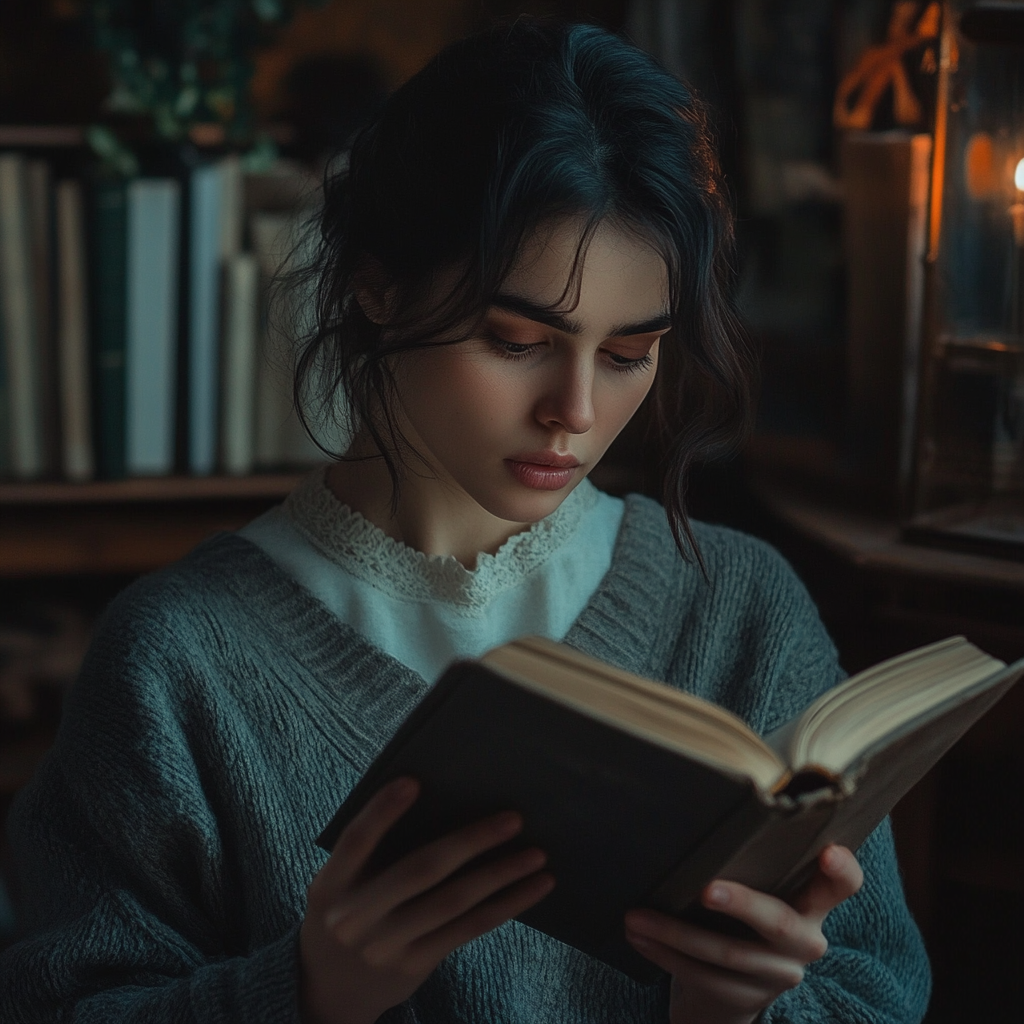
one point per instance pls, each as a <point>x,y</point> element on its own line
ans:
<point>433,515</point>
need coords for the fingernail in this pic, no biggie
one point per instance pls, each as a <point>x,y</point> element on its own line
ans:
<point>718,894</point>
<point>534,859</point>
<point>509,824</point>
<point>637,919</point>
<point>403,788</point>
<point>637,940</point>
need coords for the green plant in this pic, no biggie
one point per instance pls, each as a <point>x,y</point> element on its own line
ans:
<point>182,63</point>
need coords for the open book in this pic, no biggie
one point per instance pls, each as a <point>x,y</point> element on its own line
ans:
<point>641,794</point>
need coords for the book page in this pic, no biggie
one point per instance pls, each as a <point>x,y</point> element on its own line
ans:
<point>659,713</point>
<point>885,700</point>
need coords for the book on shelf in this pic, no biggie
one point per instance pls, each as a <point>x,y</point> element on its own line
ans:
<point>41,256</point>
<point>20,321</point>
<point>640,794</point>
<point>73,334</point>
<point>107,249</point>
<point>238,379</point>
<point>215,237</point>
<point>98,324</point>
<point>151,324</point>
<point>280,437</point>
<point>5,412</point>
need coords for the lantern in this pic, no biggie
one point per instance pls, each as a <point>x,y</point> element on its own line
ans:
<point>965,480</point>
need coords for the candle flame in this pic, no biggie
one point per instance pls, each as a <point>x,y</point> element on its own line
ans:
<point>1018,176</point>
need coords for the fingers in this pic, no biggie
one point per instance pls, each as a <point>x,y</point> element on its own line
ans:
<point>486,916</point>
<point>457,897</point>
<point>699,987</point>
<point>838,878</point>
<point>674,945</point>
<point>360,837</point>
<point>780,925</point>
<point>419,872</point>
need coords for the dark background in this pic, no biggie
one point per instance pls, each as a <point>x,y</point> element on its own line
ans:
<point>770,69</point>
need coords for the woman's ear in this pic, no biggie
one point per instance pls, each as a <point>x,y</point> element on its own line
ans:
<point>373,290</point>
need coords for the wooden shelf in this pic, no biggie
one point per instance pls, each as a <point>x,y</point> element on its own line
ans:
<point>123,527</point>
<point>148,489</point>
<point>875,545</point>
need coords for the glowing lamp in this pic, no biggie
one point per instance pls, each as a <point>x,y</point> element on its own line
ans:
<point>965,475</point>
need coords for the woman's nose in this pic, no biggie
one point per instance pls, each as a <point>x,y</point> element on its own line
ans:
<point>568,400</point>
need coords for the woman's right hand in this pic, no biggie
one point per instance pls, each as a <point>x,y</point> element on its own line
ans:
<point>368,941</point>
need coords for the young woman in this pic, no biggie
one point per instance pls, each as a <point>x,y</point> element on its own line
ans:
<point>529,245</point>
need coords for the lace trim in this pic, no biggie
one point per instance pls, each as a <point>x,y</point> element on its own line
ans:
<point>369,554</point>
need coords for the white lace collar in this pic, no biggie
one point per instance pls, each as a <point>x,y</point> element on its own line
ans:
<point>367,553</point>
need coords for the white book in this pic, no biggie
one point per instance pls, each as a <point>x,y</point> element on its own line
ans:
<point>232,222</point>
<point>271,235</point>
<point>19,327</point>
<point>154,206</point>
<point>238,382</point>
<point>281,440</point>
<point>77,459</point>
<point>206,212</point>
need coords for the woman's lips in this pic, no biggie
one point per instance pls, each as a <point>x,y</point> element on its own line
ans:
<point>543,471</point>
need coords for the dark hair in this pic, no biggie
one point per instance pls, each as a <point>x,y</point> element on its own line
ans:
<point>515,126</point>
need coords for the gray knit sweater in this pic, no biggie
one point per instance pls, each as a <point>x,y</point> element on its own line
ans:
<point>165,846</point>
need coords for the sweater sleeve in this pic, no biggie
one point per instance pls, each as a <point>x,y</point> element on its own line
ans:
<point>121,870</point>
<point>875,970</point>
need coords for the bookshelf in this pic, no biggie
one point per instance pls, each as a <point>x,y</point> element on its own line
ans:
<point>122,527</point>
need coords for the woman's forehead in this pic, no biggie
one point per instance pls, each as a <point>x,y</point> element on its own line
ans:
<point>613,276</point>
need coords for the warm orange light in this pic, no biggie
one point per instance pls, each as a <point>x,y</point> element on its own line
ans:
<point>1018,176</point>
<point>980,167</point>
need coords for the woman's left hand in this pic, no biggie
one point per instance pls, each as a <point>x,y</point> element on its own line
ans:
<point>722,980</point>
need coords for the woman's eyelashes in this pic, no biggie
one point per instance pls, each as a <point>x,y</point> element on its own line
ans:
<point>627,365</point>
<point>509,349</point>
<point>523,350</point>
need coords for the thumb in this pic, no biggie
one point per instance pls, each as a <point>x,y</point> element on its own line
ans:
<point>838,877</point>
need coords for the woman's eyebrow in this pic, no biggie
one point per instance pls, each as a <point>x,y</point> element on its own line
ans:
<point>570,325</point>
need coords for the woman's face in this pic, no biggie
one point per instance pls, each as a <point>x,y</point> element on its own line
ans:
<point>516,417</point>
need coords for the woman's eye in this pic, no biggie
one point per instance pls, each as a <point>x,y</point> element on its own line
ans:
<point>510,349</point>
<point>626,365</point>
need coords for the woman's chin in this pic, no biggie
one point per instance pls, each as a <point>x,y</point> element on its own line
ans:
<point>526,504</point>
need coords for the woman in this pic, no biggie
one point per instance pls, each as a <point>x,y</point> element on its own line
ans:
<point>530,244</point>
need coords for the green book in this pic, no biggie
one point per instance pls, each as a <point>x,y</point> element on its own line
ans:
<point>108,267</point>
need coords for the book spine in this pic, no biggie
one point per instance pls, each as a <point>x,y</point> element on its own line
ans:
<point>108,255</point>
<point>239,378</point>
<point>5,411</point>
<point>206,211</point>
<point>151,314</point>
<point>41,245</point>
<point>73,334</point>
<point>232,222</point>
<point>270,234</point>
<point>19,321</point>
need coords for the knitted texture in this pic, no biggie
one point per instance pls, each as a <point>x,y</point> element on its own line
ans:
<point>366,552</point>
<point>165,845</point>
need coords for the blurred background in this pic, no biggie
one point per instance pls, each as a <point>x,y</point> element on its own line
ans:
<point>156,159</point>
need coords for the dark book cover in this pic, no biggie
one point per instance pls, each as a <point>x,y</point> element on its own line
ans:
<point>107,260</point>
<point>615,813</point>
